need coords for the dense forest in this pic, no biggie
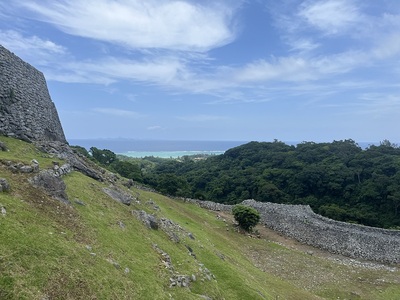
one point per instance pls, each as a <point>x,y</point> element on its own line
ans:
<point>339,180</point>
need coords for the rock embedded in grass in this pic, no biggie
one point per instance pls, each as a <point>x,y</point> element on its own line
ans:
<point>4,185</point>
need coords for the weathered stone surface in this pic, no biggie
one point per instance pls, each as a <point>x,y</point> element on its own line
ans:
<point>26,109</point>
<point>78,163</point>
<point>63,170</point>
<point>3,210</point>
<point>210,205</point>
<point>3,147</point>
<point>80,202</point>
<point>119,195</point>
<point>352,240</point>
<point>173,230</point>
<point>18,167</point>
<point>4,185</point>
<point>149,220</point>
<point>52,184</point>
<point>302,224</point>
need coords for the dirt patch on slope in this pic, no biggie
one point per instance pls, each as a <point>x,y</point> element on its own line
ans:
<point>314,269</point>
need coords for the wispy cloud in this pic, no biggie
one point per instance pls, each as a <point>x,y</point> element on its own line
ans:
<point>32,48</point>
<point>379,104</point>
<point>117,112</point>
<point>177,25</point>
<point>158,70</point>
<point>330,16</point>
<point>303,68</point>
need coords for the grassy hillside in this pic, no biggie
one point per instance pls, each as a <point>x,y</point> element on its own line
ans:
<point>100,250</point>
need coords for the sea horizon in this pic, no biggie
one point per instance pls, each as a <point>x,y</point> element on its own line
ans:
<point>157,148</point>
<point>139,148</point>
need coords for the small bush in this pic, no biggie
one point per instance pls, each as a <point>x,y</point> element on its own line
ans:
<point>247,217</point>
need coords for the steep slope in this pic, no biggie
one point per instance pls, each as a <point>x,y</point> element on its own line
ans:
<point>99,248</point>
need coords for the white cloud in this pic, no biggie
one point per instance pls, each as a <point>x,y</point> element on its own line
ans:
<point>387,46</point>
<point>196,73</point>
<point>379,104</point>
<point>31,48</point>
<point>177,25</point>
<point>58,65</point>
<point>284,68</point>
<point>302,45</point>
<point>116,112</point>
<point>330,16</point>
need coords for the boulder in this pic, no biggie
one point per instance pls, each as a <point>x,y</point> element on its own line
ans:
<point>149,220</point>
<point>52,184</point>
<point>3,146</point>
<point>4,186</point>
<point>119,195</point>
<point>3,210</point>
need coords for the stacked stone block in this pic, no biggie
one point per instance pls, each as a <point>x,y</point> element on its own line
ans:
<point>26,109</point>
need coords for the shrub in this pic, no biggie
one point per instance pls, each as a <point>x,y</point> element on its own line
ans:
<point>247,217</point>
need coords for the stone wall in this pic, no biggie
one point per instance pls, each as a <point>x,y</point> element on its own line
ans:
<point>301,223</point>
<point>26,109</point>
<point>210,205</point>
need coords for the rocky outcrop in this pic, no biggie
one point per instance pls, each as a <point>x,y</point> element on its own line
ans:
<point>19,167</point>
<point>149,220</point>
<point>26,109</point>
<point>118,195</point>
<point>175,232</point>
<point>4,185</point>
<point>51,182</point>
<point>78,163</point>
<point>3,146</point>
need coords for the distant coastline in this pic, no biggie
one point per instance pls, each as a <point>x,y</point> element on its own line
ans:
<point>157,148</point>
<point>169,148</point>
<point>169,154</point>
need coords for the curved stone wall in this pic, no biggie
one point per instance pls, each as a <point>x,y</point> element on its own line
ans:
<point>352,240</point>
<point>302,224</point>
<point>26,109</point>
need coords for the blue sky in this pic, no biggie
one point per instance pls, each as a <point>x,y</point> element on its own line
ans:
<point>292,70</point>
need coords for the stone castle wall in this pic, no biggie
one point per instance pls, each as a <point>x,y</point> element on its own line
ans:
<point>26,109</point>
<point>352,240</point>
<point>302,224</point>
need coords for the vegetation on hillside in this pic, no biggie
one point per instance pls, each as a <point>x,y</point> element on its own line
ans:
<point>247,217</point>
<point>339,180</point>
<point>95,248</point>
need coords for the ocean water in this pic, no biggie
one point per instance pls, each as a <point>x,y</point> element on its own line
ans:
<point>167,148</point>
<point>157,148</point>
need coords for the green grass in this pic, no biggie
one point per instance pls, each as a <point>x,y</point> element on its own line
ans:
<point>52,250</point>
<point>20,151</point>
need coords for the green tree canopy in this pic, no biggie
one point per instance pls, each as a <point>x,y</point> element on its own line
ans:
<point>105,157</point>
<point>247,217</point>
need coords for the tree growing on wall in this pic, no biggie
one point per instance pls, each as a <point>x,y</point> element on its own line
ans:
<point>247,217</point>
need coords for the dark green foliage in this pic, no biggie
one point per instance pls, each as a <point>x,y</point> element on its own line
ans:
<point>171,184</point>
<point>127,170</point>
<point>109,159</point>
<point>105,157</point>
<point>247,217</point>
<point>81,150</point>
<point>339,179</point>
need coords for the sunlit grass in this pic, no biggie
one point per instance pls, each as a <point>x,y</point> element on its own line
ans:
<point>99,250</point>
